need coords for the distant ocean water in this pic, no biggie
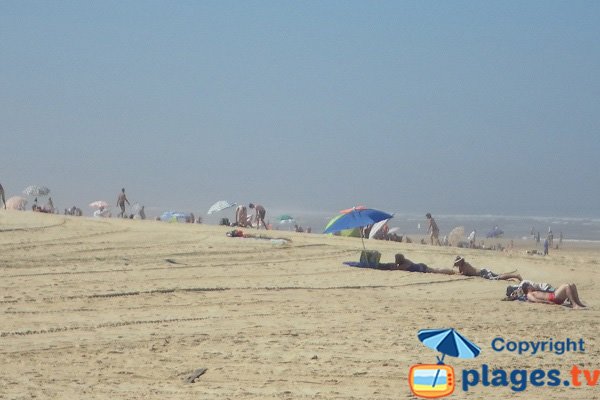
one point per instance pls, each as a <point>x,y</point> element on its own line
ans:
<point>514,227</point>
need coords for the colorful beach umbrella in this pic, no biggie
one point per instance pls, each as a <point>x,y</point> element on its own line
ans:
<point>357,218</point>
<point>355,232</point>
<point>285,218</point>
<point>175,216</point>
<point>220,206</point>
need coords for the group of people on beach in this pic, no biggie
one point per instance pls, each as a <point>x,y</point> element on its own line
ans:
<point>243,220</point>
<point>242,217</point>
<point>48,208</point>
<point>524,290</point>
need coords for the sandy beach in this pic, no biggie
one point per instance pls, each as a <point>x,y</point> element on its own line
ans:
<point>128,309</point>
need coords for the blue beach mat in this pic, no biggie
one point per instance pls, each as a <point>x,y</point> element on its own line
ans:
<point>356,264</point>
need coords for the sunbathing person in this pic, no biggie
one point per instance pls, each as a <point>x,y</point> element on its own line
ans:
<point>515,292</point>
<point>404,264</point>
<point>559,296</point>
<point>540,286</point>
<point>468,270</point>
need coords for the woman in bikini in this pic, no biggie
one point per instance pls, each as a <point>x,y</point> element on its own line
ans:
<point>559,296</point>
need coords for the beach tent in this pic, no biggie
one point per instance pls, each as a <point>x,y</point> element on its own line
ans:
<point>175,216</point>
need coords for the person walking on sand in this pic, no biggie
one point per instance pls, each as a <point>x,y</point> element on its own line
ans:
<point>259,215</point>
<point>467,269</point>
<point>433,230</point>
<point>2,196</point>
<point>121,200</point>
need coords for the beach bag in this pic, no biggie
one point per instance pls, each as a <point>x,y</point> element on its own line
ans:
<point>225,221</point>
<point>370,257</point>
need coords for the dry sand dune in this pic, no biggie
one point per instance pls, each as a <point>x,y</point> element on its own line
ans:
<point>128,309</point>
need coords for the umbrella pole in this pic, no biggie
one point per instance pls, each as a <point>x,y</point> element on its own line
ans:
<point>362,239</point>
<point>437,373</point>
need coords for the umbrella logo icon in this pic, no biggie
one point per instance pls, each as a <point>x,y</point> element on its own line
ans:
<point>437,380</point>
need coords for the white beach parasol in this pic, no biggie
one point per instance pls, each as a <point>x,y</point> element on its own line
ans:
<point>220,206</point>
<point>99,204</point>
<point>16,203</point>
<point>456,235</point>
<point>35,190</point>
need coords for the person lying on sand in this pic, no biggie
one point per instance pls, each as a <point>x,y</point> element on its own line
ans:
<point>404,264</point>
<point>559,296</point>
<point>242,234</point>
<point>515,292</point>
<point>464,268</point>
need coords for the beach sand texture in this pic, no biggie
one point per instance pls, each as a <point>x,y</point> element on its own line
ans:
<point>108,308</point>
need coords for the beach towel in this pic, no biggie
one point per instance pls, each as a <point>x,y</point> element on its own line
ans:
<point>382,267</point>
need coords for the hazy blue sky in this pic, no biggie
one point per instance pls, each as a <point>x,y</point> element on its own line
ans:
<point>440,106</point>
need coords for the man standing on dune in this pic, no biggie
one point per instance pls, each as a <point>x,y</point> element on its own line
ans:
<point>2,196</point>
<point>433,230</point>
<point>121,202</point>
